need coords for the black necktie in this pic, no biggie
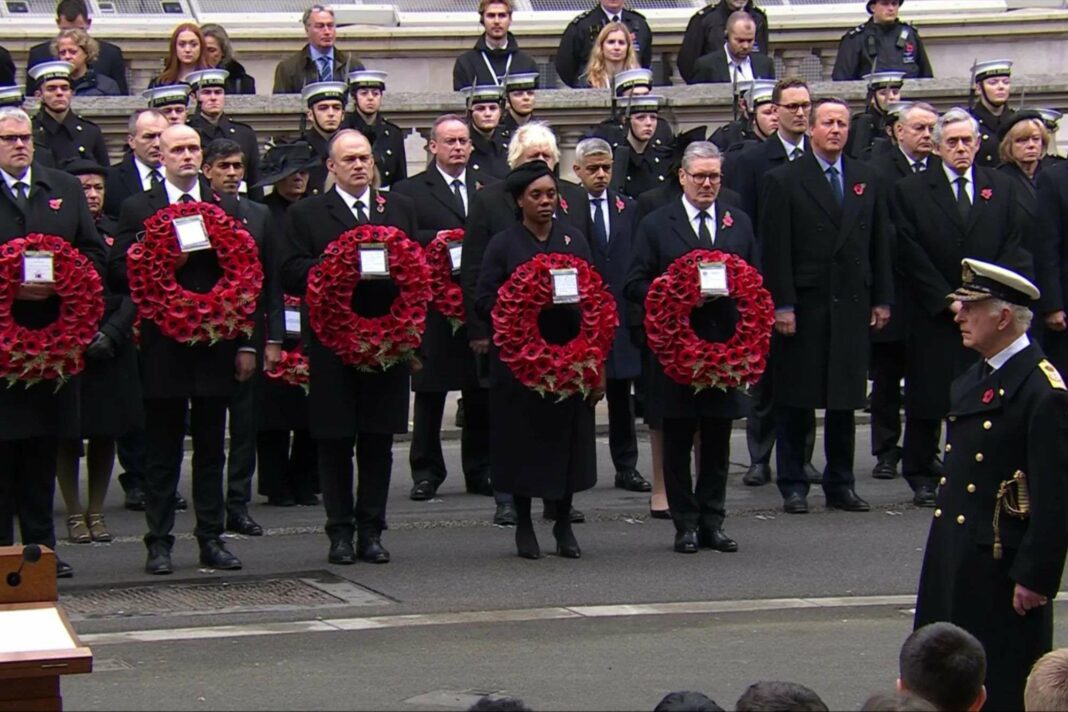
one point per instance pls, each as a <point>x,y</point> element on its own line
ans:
<point>615,18</point>
<point>836,186</point>
<point>361,214</point>
<point>155,178</point>
<point>985,370</point>
<point>20,195</point>
<point>796,153</point>
<point>703,235</point>
<point>963,204</point>
<point>917,167</point>
<point>600,230</point>
<point>186,198</point>
<point>457,188</point>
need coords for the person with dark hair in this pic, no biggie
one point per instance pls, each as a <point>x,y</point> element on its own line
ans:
<point>140,168</point>
<point>945,665</point>
<point>520,92</point>
<point>687,701</point>
<point>7,68</point>
<point>578,39</point>
<point>387,139</point>
<point>74,15</point>
<point>171,100</point>
<point>735,61</point>
<point>493,703</point>
<point>485,103</point>
<point>542,446</point>
<point>779,696</point>
<point>213,123</point>
<point>185,54</point>
<point>897,702</point>
<point>884,42</point>
<point>318,60</point>
<point>326,111</point>
<point>496,54</point>
<point>707,29</point>
<point>55,125</point>
<point>218,53</point>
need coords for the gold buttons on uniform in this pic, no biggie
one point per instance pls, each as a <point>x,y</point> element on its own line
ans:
<point>938,512</point>
<point>1001,391</point>
<point>942,482</point>
<point>960,519</point>
<point>987,425</point>
<point>948,447</point>
<point>978,457</point>
<point>970,488</point>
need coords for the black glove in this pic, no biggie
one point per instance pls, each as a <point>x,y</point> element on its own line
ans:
<point>101,347</point>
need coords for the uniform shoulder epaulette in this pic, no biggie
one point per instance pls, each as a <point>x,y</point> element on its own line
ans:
<point>754,10</point>
<point>1052,375</point>
<point>705,10</point>
<point>634,13</point>
<point>857,30</point>
<point>241,124</point>
<point>582,16</point>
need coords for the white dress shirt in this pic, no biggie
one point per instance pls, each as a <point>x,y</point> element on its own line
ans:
<point>744,68</point>
<point>145,173</point>
<point>789,147</point>
<point>463,184</point>
<point>1001,357</point>
<point>350,200</point>
<point>11,180</point>
<point>174,193</point>
<point>693,213</point>
<point>969,185</point>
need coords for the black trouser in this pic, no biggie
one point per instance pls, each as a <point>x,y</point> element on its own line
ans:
<point>374,463</point>
<point>284,471</point>
<point>839,443</point>
<point>130,449</point>
<point>921,447</point>
<point>425,458</point>
<point>27,486</point>
<point>241,463</point>
<point>701,506</point>
<point>887,368</point>
<point>760,426</point>
<point>622,438</point>
<point>165,428</point>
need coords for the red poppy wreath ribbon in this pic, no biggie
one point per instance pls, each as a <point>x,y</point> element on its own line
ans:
<point>293,368</point>
<point>181,314</point>
<point>560,369</point>
<point>55,351</point>
<point>448,297</point>
<point>369,343</point>
<point>690,360</point>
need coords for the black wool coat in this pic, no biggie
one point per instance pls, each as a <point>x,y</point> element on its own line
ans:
<point>1051,256</point>
<point>745,172</point>
<point>613,263</point>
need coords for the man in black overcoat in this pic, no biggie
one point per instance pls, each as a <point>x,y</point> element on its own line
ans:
<point>441,195</point>
<point>141,168</point>
<point>735,61</point>
<point>387,139</point>
<point>33,419</point>
<point>707,28</point>
<point>940,221</point>
<point>1051,261</point>
<point>997,544</point>
<point>827,245</point>
<point>180,380</point>
<point>212,122</point>
<point>349,407</point>
<point>492,211</point>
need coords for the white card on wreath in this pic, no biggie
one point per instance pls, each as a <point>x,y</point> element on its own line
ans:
<point>192,234</point>
<point>374,262</point>
<point>292,322</point>
<point>565,285</point>
<point>713,279</point>
<point>456,251</point>
<point>38,267</point>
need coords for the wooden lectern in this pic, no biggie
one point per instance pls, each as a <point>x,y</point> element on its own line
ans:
<point>37,642</point>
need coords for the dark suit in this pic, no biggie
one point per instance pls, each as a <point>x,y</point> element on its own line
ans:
<point>449,363</point>
<point>482,65</point>
<point>243,134</point>
<point>387,144</point>
<point>348,406</point>
<point>174,376</point>
<point>932,240</point>
<point>7,68</point>
<point>34,418</point>
<point>110,63</point>
<point>1016,418</point>
<point>707,30</point>
<point>74,137</point>
<point>1051,257</point>
<point>298,69</point>
<point>714,69</point>
<point>122,181</point>
<point>664,236</point>
<point>831,264</point>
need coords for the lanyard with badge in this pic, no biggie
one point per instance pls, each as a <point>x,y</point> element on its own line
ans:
<point>493,72</point>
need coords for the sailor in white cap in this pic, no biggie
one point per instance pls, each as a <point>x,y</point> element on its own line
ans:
<point>991,85</point>
<point>883,42</point>
<point>640,163</point>
<point>212,122</point>
<point>171,100</point>
<point>66,134</point>
<point>519,93</point>
<point>387,139</point>
<point>484,107</point>
<point>326,111</point>
<point>868,129</point>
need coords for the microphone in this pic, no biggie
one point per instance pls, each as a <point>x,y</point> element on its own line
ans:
<point>31,553</point>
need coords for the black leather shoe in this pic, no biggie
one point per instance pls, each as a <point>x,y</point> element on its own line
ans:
<point>716,539</point>
<point>243,524</point>
<point>757,475</point>
<point>686,542</point>
<point>180,505</point>
<point>281,500</point>
<point>370,549</point>
<point>135,499</point>
<point>158,562</point>
<point>566,544</point>
<point>795,504</point>
<point>925,496</point>
<point>526,543</point>
<point>633,481</point>
<point>63,569</point>
<point>341,552</point>
<point>576,516</point>
<point>814,476</point>
<point>483,488</point>
<point>847,501</point>
<point>885,468</point>
<point>660,513</point>
<point>504,516</point>
<point>214,555</point>
<point>422,491</point>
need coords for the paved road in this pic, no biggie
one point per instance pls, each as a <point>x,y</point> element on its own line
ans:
<point>823,599</point>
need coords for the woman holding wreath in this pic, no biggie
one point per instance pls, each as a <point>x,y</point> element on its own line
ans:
<point>542,446</point>
<point>695,221</point>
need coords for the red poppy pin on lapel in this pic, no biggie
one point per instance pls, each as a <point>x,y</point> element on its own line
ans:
<point>478,185</point>
<point>380,201</point>
<point>619,204</point>
<point>55,203</point>
<point>988,395</point>
<point>727,219</point>
<point>858,188</point>
<point>563,204</point>
<point>986,193</point>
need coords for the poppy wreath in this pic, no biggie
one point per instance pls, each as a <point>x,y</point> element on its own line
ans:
<point>448,298</point>
<point>690,360</point>
<point>182,314</point>
<point>558,369</point>
<point>369,343</point>
<point>292,370</point>
<point>54,352</point>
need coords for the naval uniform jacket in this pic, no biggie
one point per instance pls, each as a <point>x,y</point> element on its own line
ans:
<point>1051,259</point>
<point>74,137</point>
<point>1015,418</point>
<point>387,143</point>
<point>240,133</point>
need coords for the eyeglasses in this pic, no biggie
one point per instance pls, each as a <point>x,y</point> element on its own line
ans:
<point>793,108</point>
<point>12,139</point>
<point>702,178</point>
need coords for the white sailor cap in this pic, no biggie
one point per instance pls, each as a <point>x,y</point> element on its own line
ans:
<point>991,68</point>
<point>207,78</point>
<point>517,82</point>
<point>882,80</point>
<point>312,94</point>
<point>166,95</point>
<point>367,79</point>
<point>47,71</point>
<point>482,94</point>
<point>641,103</point>
<point>627,80</point>
<point>11,96</point>
<point>760,92</point>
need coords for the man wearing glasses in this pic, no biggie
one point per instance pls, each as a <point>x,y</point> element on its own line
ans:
<point>317,61</point>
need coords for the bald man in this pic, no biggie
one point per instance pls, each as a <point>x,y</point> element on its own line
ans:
<point>177,377</point>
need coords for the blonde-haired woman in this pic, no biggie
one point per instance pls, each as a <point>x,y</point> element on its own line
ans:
<point>612,53</point>
<point>81,50</point>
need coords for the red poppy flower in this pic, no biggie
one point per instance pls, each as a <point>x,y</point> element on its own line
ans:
<point>988,395</point>
<point>858,188</point>
<point>986,193</point>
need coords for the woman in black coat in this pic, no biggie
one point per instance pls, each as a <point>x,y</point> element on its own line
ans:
<point>541,447</point>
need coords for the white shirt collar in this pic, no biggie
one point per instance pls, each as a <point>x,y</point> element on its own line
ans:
<point>351,199</point>
<point>610,14</point>
<point>449,179</point>
<point>692,213</point>
<point>790,146</point>
<point>174,193</point>
<point>12,180</point>
<point>732,60</point>
<point>1001,357</point>
<point>912,161</point>
<point>144,170</point>
<point>952,175</point>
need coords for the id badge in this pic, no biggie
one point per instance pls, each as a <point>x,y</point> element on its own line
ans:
<point>456,251</point>
<point>565,285</point>
<point>713,277</point>
<point>37,267</point>
<point>292,322</point>
<point>191,233</point>
<point>374,262</point>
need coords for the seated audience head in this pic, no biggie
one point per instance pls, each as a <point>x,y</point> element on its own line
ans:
<point>450,144</point>
<point>78,48</point>
<point>320,27</point>
<point>793,101</point>
<point>687,701</point>
<point>73,15</point>
<point>612,52</point>
<point>741,34</point>
<point>701,176</point>
<point>224,166</point>
<point>914,130</point>
<point>779,696</point>
<point>492,703</point>
<point>593,165</point>
<point>956,139</point>
<point>184,53</point>
<point>495,16</point>
<point>218,50</point>
<point>1023,140</point>
<point>1047,685</point>
<point>533,141</point>
<point>945,665</point>
<point>144,130</point>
